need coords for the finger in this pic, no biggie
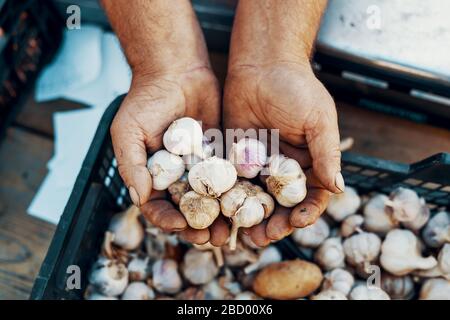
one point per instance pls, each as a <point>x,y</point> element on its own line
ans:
<point>279,226</point>
<point>300,154</point>
<point>131,155</point>
<point>258,234</point>
<point>310,209</point>
<point>195,236</point>
<point>220,232</point>
<point>162,214</point>
<point>158,195</point>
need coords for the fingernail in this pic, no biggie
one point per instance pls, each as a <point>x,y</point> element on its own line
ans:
<point>339,182</point>
<point>134,196</point>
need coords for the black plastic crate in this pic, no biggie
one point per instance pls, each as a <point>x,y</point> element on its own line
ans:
<point>99,193</point>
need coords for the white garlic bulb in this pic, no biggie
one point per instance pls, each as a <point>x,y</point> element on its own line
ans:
<point>330,254</point>
<point>404,204</point>
<point>191,160</point>
<point>248,157</point>
<point>363,292</point>
<point>246,205</point>
<point>166,278</point>
<point>437,230</point>
<point>214,291</point>
<point>200,211</point>
<point>397,287</point>
<point>313,235</point>
<point>351,224</point>
<point>240,257</point>
<point>109,277</point>
<point>400,253</point>
<point>444,261</point>
<point>267,256</point>
<point>212,177</point>
<point>184,136</point>
<point>286,180</point>
<point>246,295</point>
<point>127,229</point>
<point>344,204</point>
<point>138,291</point>
<point>435,289</point>
<point>329,295</point>
<point>138,269</point>
<point>217,252</point>
<point>376,217</point>
<point>421,219</point>
<point>165,168</point>
<point>179,188</point>
<point>362,248</point>
<point>199,266</point>
<point>338,280</point>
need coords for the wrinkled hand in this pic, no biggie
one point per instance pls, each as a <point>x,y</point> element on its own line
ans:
<point>287,96</point>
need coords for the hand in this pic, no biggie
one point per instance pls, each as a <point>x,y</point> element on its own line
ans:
<point>287,96</point>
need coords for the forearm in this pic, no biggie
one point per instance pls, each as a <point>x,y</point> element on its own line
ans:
<point>266,31</point>
<point>158,36</point>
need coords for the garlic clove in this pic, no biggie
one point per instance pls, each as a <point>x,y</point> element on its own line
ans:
<point>351,224</point>
<point>397,287</point>
<point>127,229</point>
<point>338,280</point>
<point>330,254</point>
<point>165,168</point>
<point>363,292</point>
<point>435,289</point>
<point>138,291</point>
<point>212,177</point>
<point>138,269</point>
<point>421,219</point>
<point>313,235</point>
<point>179,188</point>
<point>437,230</point>
<point>199,266</point>
<point>184,136</point>
<point>166,278</point>
<point>109,277</point>
<point>362,248</point>
<point>248,157</point>
<point>376,216</point>
<point>404,204</point>
<point>200,211</point>
<point>329,295</point>
<point>267,256</point>
<point>344,204</point>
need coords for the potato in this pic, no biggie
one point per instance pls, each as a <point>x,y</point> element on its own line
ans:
<point>288,280</point>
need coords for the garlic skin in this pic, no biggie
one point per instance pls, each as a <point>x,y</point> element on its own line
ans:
<point>435,289</point>
<point>184,136</point>
<point>286,180</point>
<point>338,280</point>
<point>400,288</point>
<point>400,253</point>
<point>165,168</point>
<point>344,204</point>
<point>444,261</point>
<point>330,254</point>
<point>404,204</point>
<point>200,211</point>
<point>329,295</point>
<point>246,205</point>
<point>313,235</point>
<point>138,291</point>
<point>191,160</point>
<point>138,269</point>
<point>109,277</point>
<point>248,157</point>
<point>351,224</point>
<point>166,278</point>
<point>267,256</point>
<point>362,292</point>
<point>421,219</point>
<point>179,188</point>
<point>199,266</point>
<point>212,177</point>
<point>437,230</point>
<point>376,216</point>
<point>127,229</point>
<point>362,248</point>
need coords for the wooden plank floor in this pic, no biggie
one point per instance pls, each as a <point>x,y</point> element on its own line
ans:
<point>28,146</point>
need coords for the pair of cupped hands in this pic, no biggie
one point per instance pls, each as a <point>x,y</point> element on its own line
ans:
<point>280,95</point>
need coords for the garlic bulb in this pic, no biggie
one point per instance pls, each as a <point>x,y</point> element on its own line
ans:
<point>191,160</point>
<point>127,229</point>
<point>437,230</point>
<point>212,177</point>
<point>344,204</point>
<point>400,253</point>
<point>330,254</point>
<point>362,248</point>
<point>184,136</point>
<point>444,261</point>
<point>338,280</point>
<point>248,157</point>
<point>376,217</point>
<point>165,168</point>
<point>246,205</point>
<point>199,266</point>
<point>109,277</point>
<point>200,211</point>
<point>404,204</point>
<point>397,287</point>
<point>217,252</point>
<point>362,292</point>
<point>421,219</point>
<point>179,188</point>
<point>166,278</point>
<point>267,256</point>
<point>138,291</point>
<point>286,180</point>
<point>329,295</point>
<point>138,269</point>
<point>351,224</point>
<point>240,257</point>
<point>313,235</point>
<point>214,291</point>
<point>435,289</point>
<point>99,296</point>
<point>246,295</point>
